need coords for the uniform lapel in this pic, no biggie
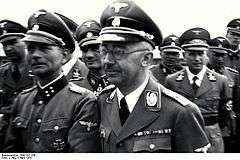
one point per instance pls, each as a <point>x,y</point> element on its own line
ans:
<point>113,114</point>
<point>205,85</point>
<point>140,116</point>
<point>186,87</point>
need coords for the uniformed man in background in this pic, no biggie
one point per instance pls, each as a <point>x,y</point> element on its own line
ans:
<point>87,35</point>
<point>208,89</point>
<point>218,50</point>
<point>170,53</point>
<point>139,114</point>
<point>233,35</point>
<point>73,68</point>
<point>14,75</point>
<point>53,116</point>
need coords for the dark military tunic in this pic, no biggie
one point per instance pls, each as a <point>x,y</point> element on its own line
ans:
<point>93,82</point>
<point>9,89</point>
<point>61,117</point>
<point>160,72</point>
<point>77,72</point>
<point>211,97</point>
<point>161,121</point>
<point>233,60</point>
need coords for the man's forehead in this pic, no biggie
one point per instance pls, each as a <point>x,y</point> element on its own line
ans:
<point>117,44</point>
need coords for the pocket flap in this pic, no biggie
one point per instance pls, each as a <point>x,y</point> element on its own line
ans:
<point>20,122</point>
<point>152,145</point>
<point>55,125</point>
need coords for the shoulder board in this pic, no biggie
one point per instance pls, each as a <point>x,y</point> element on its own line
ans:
<point>180,99</point>
<point>28,90</point>
<point>232,70</point>
<point>107,89</point>
<point>75,88</point>
<point>5,64</point>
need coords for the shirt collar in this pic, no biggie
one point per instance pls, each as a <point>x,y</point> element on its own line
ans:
<point>133,97</point>
<point>56,79</point>
<point>68,66</point>
<point>200,75</point>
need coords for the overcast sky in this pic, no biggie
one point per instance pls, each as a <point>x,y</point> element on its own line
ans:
<point>172,16</point>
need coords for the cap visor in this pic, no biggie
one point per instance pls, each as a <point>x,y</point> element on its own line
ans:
<point>219,50</point>
<point>11,36</point>
<point>38,39</point>
<point>195,47</point>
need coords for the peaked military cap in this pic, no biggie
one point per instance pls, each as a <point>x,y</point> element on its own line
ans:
<point>87,33</point>
<point>195,39</point>
<point>10,30</point>
<point>123,20</point>
<point>48,28</point>
<point>171,44</point>
<point>220,45</point>
<point>234,26</point>
<point>69,22</point>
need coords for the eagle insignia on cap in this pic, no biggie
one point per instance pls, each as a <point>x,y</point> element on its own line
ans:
<point>89,34</point>
<point>197,32</point>
<point>221,39</point>
<point>2,25</point>
<point>220,45</point>
<point>116,22</point>
<point>88,24</point>
<point>118,6</point>
<point>38,13</point>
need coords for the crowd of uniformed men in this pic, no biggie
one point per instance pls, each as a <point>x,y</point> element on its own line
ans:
<point>131,91</point>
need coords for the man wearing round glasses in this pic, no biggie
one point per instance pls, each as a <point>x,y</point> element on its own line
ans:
<point>138,114</point>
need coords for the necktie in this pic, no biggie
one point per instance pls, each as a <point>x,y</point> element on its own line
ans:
<point>194,85</point>
<point>123,111</point>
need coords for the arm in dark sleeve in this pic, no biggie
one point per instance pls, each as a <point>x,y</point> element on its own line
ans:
<point>84,134</point>
<point>189,130</point>
<point>12,139</point>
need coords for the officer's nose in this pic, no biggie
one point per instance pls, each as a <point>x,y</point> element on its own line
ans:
<point>108,59</point>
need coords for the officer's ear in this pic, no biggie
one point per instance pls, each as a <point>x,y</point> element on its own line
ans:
<point>66,56</point>
<point>147,59</point>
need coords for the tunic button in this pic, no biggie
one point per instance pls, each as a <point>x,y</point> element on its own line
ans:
<point>120,144</point>
<point>19,123</point>
<point>52,91</point>
<point>40,102</point>
<point>36,140</point>
<point>50,87</point>
<point>46,92</point>
<point>48,95</point>
<point>152,146</point>
<point>39,121</point>
<point>56,128</point>
<point>195,98</point>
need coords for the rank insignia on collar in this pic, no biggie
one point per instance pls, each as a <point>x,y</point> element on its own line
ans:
<point>88,124</point>
<point>211,77</point>
<point>152,100</point>
<point>180,76</point>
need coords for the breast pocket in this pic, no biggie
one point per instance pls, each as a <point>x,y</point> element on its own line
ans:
<point>20,122</point>
<point>54,134</point>
<point>159,144</point>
